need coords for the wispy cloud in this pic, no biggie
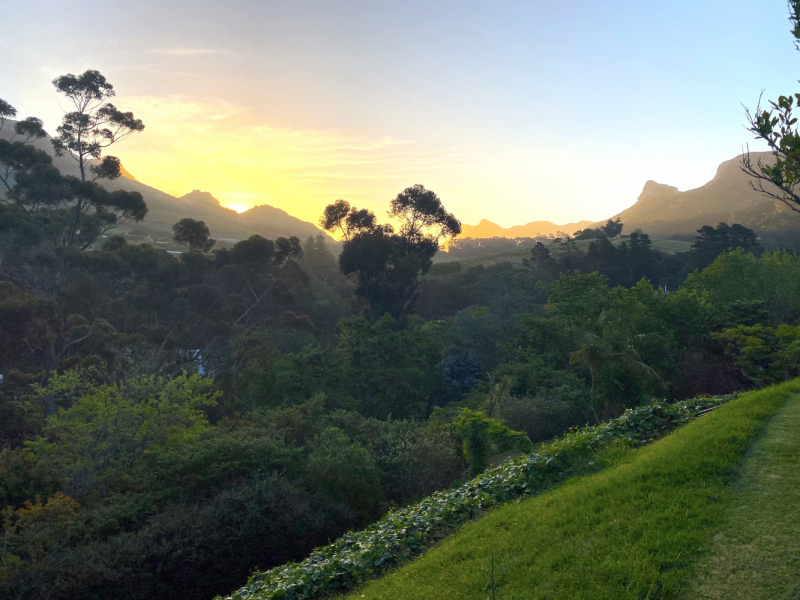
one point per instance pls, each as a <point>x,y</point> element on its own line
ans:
<point>222,149</point>
<point>189,51</point>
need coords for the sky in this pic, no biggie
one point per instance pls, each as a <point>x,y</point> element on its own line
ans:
<point>509,111</point>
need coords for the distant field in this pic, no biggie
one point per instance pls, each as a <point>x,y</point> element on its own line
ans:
<point>516,257</point>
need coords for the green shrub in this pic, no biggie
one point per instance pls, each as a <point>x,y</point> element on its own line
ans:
<point>546,414</point>
<point>401,534</point>
<point>484,436</point>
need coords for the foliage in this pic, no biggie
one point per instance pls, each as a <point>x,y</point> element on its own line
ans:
<point>404,533</point>
<point>49,216</point>
<point>93,446</point>
<point>712,241</point>
<point>612,228</point>
<point>616,367</point>
<point>484,437</point>
<point>193,233</point>
<point>737,276</point>
<point>389,263</point>
<point>388,370</point>
<point>768,354</point>
<point>94,124</point>
<point>632,530</point>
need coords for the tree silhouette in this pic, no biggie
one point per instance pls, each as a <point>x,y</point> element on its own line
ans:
<point>49,218</point>
<point>94,124</point>
<point>192,233</point>
<point>612,228</point>
<point>388,262</point>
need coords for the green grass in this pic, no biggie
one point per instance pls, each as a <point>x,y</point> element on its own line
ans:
<point>756,555</point>
<point>633,531</point>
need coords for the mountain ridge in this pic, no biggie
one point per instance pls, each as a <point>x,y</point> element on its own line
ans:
<point>164,210</point>
<point>663,210</point>
<point>488,229</point>
<point>660,210</point>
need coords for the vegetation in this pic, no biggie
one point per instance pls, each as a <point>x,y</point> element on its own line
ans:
<point>777,126</point>
<point>755,553</point>
<point>631,531</point>
<point>401,534</point>
<point>171,422</point>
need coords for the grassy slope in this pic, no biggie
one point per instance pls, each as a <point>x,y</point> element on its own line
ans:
<point>630,532</point>
<point>756,555</point>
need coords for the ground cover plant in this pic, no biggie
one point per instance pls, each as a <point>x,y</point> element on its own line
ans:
<point>630,532</point>
<point>404,533</point>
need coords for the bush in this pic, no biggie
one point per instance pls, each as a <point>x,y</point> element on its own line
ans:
<point>545,415</point>
<point>401,534</point>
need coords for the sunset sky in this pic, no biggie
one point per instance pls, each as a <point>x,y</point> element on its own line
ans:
<point>511,111</point>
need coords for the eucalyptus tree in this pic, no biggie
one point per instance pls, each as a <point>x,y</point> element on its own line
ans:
<point>47,218</point>
<point>389,262</point>
<point>15,150</point>
<point>193,233</point>
<point>93,126</point>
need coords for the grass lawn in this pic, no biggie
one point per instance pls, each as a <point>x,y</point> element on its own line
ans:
<point>633,531</point>
<point>756,555</point>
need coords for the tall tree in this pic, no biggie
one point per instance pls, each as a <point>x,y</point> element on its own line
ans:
<point>51,218</point>
<point>713,241</point>
<point>15,151</point>
<point>192,233</point>
<point>614,363</point>
<point>388,262</point>
<point>94,124</point>
<point>612,228</point>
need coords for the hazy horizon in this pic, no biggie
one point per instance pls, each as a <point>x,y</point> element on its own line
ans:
<point>510,112</point>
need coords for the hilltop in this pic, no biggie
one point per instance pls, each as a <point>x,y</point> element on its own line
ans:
<point>663,210</point>
<point>164,210</point>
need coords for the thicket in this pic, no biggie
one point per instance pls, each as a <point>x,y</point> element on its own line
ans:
<point>305,427</point>
<point>402,534</point>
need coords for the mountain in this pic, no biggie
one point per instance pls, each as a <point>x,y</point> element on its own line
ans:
<point>662,210</point>
<point>165,210</point>
<point>487,229</point>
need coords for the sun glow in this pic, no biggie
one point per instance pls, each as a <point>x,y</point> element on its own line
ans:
<point>237,206</point>
<point>220,149</point>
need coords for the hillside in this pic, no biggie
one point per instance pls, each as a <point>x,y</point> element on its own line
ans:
<point>638,529</point>
<point>487,229</point>
<point>662,210</point>
<point>165,210</point>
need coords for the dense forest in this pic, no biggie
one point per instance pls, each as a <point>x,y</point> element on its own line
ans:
<point>170,422</point>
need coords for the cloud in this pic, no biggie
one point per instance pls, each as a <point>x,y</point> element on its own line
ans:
<point>189,51</point>
<point>223,149</point>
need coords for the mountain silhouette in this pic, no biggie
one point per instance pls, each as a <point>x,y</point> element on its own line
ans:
<point>663,210</point>
<point>165,210</point>
<point>487,229</point>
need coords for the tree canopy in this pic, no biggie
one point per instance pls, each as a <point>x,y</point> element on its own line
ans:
<point>388,263</point>
<point>192,233</point>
